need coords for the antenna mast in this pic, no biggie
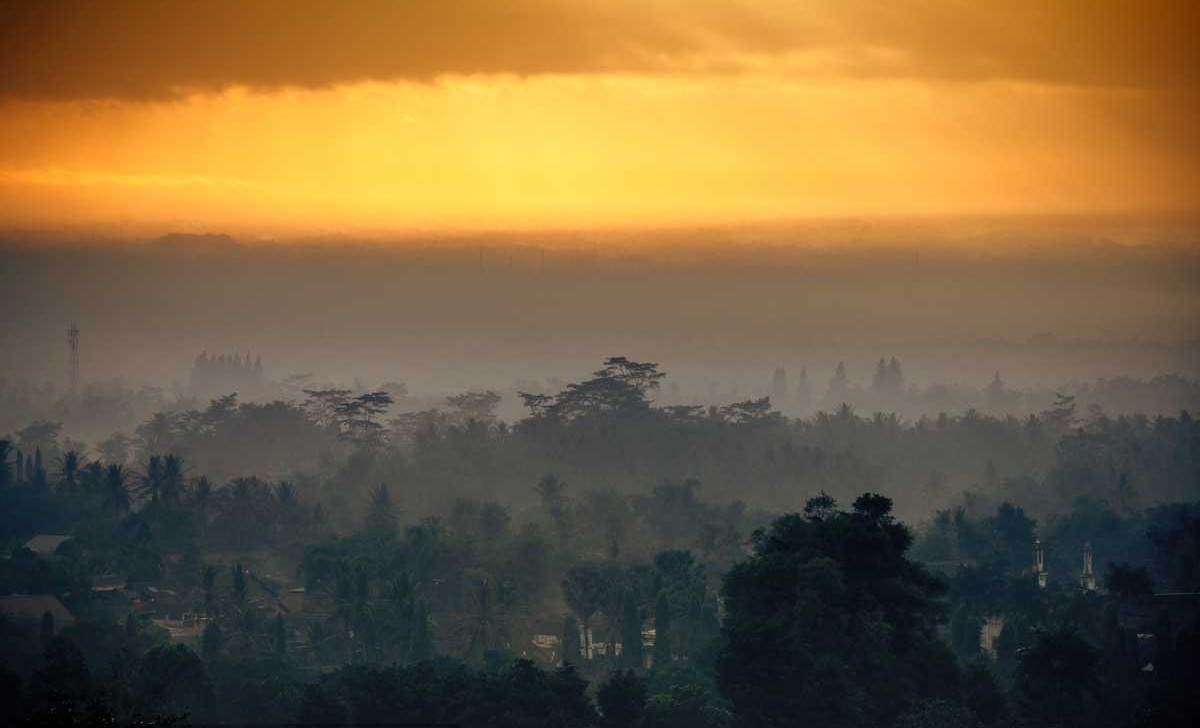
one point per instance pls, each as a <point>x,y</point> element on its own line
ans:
<point>73,341</point>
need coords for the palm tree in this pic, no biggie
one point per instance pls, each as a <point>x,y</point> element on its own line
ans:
<point>245,507</point>
<point>352,594</point>
<point>288,515</point>
<point>150,481</point>
<point>172,480</point>
<point>286,497</point>
<point>553,492</point>
<point>486,626</point>
<point>92,479</point>
<point>6,476</point>
<point>116,494</point>
<point>381,518</point>
<point>202,498</point>
<point>69,464</point>
<point>584,590</point>
<point>209,580</point>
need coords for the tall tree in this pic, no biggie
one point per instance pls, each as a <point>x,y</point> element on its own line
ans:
<point>38,479</point>
<point>486,626</point>
<point>69,465</point>
<point>172,486</point>
<point>208,582</point>
<point>662,631</point>
<point>150,482</point>
<point>357,417</point>
<point>571,647</point>
<point>202,499</point>
<point>805,615</point>
<point>116,490</point>
<point>621,699</point>
<point>553,492</point>
<point>6,473</point>
<point>584,590</point>
<point>631,632</point>
<point>1054,676</point>
<point>381,515</point>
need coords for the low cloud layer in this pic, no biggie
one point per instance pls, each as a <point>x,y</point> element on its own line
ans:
<point>142,49</point>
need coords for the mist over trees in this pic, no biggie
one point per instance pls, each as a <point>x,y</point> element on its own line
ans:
<point>611,557</point>
<point>599,364</point>
<point>540,481</point>
<point>449,314</point>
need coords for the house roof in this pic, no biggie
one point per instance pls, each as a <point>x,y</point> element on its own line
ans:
<point>108,582</point>
<point>33,606</point>
<point>45,544</point>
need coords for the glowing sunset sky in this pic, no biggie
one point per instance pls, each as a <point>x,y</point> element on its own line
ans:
<point>476,113</point>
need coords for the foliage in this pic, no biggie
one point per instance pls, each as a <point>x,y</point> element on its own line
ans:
<point>829,603</point>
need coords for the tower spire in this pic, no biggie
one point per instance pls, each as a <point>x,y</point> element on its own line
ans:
<point>1087,578</point>
<point>1039,563</point>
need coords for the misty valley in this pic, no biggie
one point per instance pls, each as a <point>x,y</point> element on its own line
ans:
<point>599,363</point>
<point>255,551</point>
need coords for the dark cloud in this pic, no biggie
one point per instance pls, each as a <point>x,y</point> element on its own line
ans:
<point>141,49</point>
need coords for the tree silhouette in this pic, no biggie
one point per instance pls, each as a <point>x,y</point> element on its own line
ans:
<point>69,465</point>
<point>631,632</point>
<point>1127,581</point>
<point>804,612</point>
<point>1054,675</point>
<point>6,473</point>
<point>621,698</point>
<point>116,490</point>
<point>584,591</point>
<point>486,624</point>
<point>553,493</point>
<point>381,517</point>
<point>662,631</point>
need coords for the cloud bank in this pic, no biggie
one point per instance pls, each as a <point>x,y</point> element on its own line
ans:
<point>144,49</point>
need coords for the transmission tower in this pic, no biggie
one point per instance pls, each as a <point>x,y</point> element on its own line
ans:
<point>73,342</point>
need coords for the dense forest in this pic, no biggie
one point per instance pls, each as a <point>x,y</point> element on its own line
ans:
<point>611,558</point>
<point>599,364</point>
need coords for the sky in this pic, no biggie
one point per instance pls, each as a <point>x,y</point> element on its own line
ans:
<point>312,116</point>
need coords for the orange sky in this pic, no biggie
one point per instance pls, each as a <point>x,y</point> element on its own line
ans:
<point>460,114</point>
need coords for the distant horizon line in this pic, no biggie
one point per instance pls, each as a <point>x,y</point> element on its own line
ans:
<point>139,234</point>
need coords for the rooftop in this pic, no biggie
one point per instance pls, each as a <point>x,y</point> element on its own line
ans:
<point>46,544</point>
<point>33,606</point>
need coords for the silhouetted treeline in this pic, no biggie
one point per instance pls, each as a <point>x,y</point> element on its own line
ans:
<point>608,433</point>
<point>606,560</point>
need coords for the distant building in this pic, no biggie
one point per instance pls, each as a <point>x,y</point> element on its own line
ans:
<point>26,610</point>
<point>217,376</point>
<point>948,569</point>
<point>46,544</point>
<point>989,633</point>
<point>1039,564</point>
<point>293,599</point>
<point>1087,577</point>
<point>108,583</point>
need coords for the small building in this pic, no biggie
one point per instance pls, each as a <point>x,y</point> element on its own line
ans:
<point>293,600</point>
<point>26,610</point>
<point>989,634</point>
<point>46,544</point>
<point>108,583</point>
